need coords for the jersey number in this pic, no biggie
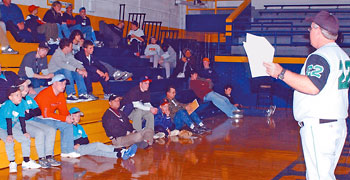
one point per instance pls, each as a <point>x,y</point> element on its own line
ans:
<point>343,80</point>
<point>314,70</point>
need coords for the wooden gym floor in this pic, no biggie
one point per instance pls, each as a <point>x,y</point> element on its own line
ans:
<point>251,148</point>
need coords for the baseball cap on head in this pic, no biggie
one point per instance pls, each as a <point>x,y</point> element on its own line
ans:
<point>135,23</point>
<point>74,110</point>
<point>206,59</point>
<point>164,102</point>
<point>11,90</point>
<point>326,21</point>
<point>113,97</point>
<point>145,78</point>
<point>44,45</point>
<point>31,8</point>
<point>82,8</point>
<point>20,81</point>
<point>58,78</point>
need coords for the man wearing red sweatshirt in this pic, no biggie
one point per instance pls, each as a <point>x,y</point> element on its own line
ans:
<point>50,101</point>
<point>203,89</point>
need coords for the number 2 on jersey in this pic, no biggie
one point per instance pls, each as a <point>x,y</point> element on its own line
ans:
<point>343,80</point>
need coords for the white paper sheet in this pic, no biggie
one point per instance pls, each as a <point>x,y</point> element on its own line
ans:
<point>258,50</point>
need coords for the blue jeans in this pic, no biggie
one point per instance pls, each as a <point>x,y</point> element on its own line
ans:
<point>87,31</point>
<point>67,141</point>
<point>182,117</point>
<point>38,82</point>
<point>73,76</point>
<point>66,30</point>
<point>221,102</point>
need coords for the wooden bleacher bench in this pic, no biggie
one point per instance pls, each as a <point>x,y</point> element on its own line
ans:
<point>305,11</point>
<point>306,5</point>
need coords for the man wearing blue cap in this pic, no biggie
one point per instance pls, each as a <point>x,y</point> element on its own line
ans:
<point>321,97</point>
<point>139,98</point>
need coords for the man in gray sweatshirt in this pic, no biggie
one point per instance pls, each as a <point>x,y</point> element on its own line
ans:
<point>63,62</point>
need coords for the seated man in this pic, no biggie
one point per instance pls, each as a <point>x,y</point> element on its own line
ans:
<point>249,112</point>
<point>52,104</point>
<point>179,114</point>
<point>52,27</point>
<point>63,62</point>
<point>185,65</point>
<point>203,89</point>
<point>162,120</point>
<point>112,34</point>
<point>119,129</point>
<point>95,70</point>
<point>153,52</point>
<point>138,102</point>
<point>69,22</point>
<point>34,66</point>
<point>86,28</point>
<point>207,72</point>
<point>12,15</point>
<point>135,38</point>
<point>84,147</point>
<point>7,79</point>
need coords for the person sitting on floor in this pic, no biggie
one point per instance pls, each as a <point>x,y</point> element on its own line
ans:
<point>83,146</point>
<point>34,66</point>
<point>207,72</point>
<point>44,135</point>
<point>135,38</point>
<point>180,116</point>
<point>13,126</point>
<point>153,52</point>
<point>119,129</point>
<point>63,62</point>
<point>248,111</point>
<point>137,104</point>
<point>95,70</point>
<point>162,120</point>
<point>53,106</point>
<point>168,59</point>
<point>204,90</point>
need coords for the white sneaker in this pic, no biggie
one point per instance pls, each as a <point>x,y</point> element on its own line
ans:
<point>70,155</point>
<point>13,167</point>
<point>51,41</point>
<point>174,132</point>
<point>30,165</point>
<point>159,135</point>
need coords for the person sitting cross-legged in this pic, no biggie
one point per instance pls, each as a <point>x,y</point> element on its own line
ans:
<point>162,120</point>
<point>84,147</point>
<point>179,114</point>
<point>95,70</point>
<point>119,129</point>
<point>63,62</point>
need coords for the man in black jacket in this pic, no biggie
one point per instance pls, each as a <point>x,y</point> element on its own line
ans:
<point>112,34</point>
<point>119,129</point>
<point>95,70</point>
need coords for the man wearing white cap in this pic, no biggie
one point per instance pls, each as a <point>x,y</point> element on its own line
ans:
<point>320,97</point>
<point>51,100</point>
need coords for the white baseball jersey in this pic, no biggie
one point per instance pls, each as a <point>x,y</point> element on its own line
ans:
<point>137,33</point>
<point>332,101</point>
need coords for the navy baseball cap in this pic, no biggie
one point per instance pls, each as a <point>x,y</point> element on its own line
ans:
<point>11,90</point>
<point>44,45</point>
<point>145,78</point>
<point>113,97</point>
<point>82,8</point>
<point>326,21</point>
<point>74,110</point>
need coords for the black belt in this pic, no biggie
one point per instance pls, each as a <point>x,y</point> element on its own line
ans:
<point>322,121</point>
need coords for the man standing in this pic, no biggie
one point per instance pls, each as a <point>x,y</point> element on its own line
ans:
<point>95,70</point>
<point>320,98</point>
<point>34,66</point>
<point>139,98</point>
<point>203,89</point>
<point>63,62</point>
<point>52,104</point>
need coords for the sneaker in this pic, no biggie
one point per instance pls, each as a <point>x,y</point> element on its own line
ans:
<point>127,76</point>
<point>174,132</point>
<point>204,128</point>
<point>30,165</point>
<point>271,111</point>
<point>70,155</point>
<point>237,116</point>
<point>72,99</point>
<point>53,162</point>
<point>196,130</point>
<point>159,135</point>
<point>84,98</point>
<point>99,43</point>
<point>44,163</point>
<point>8,50</point>
<point>57,42</point>
<point>13,167</point>
<point>238,111</point>
<point>51,41</point>
<point>106,96</point>
<point>93,97</point>
<point>130,152</point>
